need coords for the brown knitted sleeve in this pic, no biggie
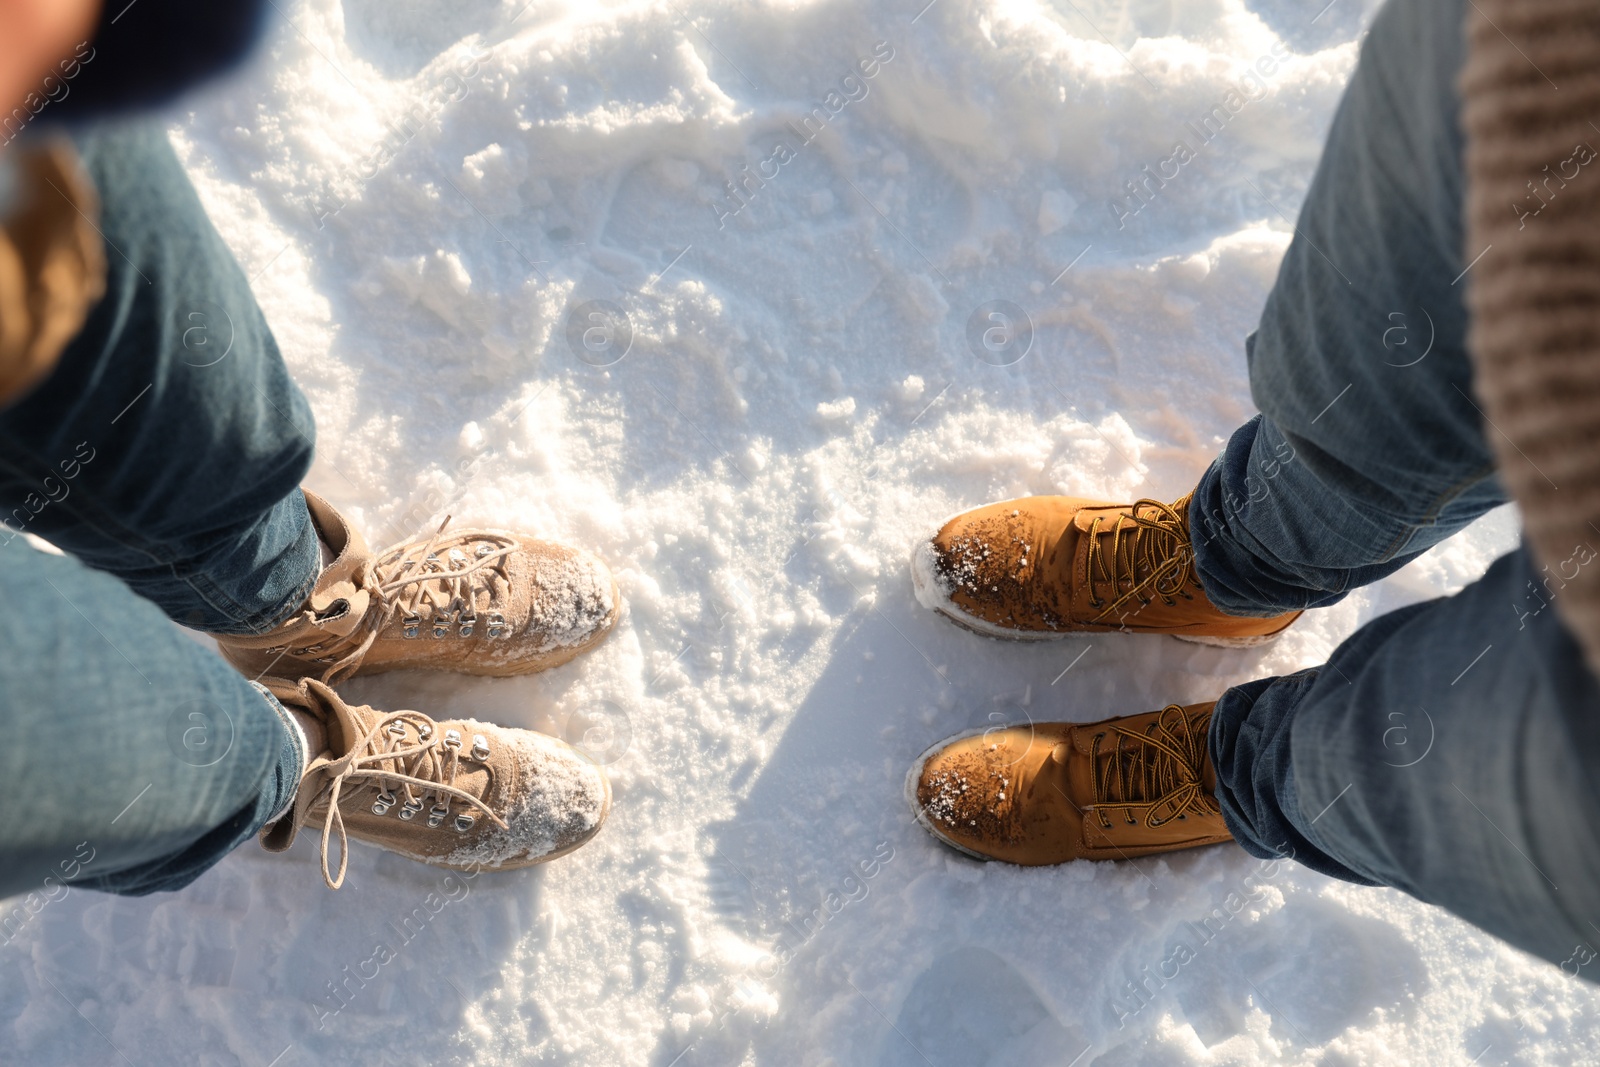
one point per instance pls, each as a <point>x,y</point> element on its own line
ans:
<point>52,265</point>
<point>1531,104</point>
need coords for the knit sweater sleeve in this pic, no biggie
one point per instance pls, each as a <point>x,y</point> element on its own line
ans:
<point>52,264</point>
<point>1530,103</point>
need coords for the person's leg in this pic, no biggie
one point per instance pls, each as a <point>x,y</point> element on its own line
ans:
<point>1369,448</point>
<point>167,446</point>
<point>135,757</point>
<point>1449,749</point>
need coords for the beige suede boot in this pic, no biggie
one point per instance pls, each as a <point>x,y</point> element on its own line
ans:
<point>478,601</point>
<point>456,793</point>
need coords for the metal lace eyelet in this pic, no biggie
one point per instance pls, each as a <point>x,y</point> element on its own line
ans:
<point>410,808</point>
<point>495,624</point>
<point>484,550</point>
<point>441,626</point>
<point>383,803</point>
<point>436,816</point>
<point>308,650</point>
<point>480,747</point>
<point>466,623</point>
<point>425,731</point>
<point>464,822</point>
<point>397,729</point>
<point>412,623</point>
<point>452,739</point>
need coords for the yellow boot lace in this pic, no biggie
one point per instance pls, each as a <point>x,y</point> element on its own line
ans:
<point>1147,550</point>
<point>1160,766</point>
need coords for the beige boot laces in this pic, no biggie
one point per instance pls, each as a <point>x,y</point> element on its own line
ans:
<point>420,770</point>
<point>1153,540</point>
<point>1161,767</point>
<point>431,583</point>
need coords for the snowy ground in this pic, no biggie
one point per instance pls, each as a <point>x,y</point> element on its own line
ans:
<point>777,396</point>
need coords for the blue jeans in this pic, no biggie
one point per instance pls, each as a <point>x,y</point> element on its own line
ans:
<point>163,454</point>
<point>1450,749</point>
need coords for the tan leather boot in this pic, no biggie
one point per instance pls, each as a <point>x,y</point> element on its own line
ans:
<point>477,601</point>
<point>457,793</point>
<point>1051,566</point>
<point>1043,793</point>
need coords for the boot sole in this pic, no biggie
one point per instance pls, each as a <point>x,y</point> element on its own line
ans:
<point>929,594</point>
<point>1230,642</point>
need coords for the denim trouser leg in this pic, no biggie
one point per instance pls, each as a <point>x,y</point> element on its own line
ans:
<point>164,452</point>
<point>1369,449</point>
<point>136,757</point>
<point>167,445</point>
<point>1448,749</point>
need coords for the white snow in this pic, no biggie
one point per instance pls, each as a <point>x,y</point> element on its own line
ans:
<point>543,266</point>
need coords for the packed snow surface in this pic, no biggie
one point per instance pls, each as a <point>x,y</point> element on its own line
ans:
<point>745,298</point>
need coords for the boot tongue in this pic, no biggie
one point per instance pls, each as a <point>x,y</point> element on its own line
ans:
<point>338,605</point>
<point>342,724</point>
<point>340,600</point>
<point>345,543</point>
<point>300,698</point>
<point>345,724</point>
